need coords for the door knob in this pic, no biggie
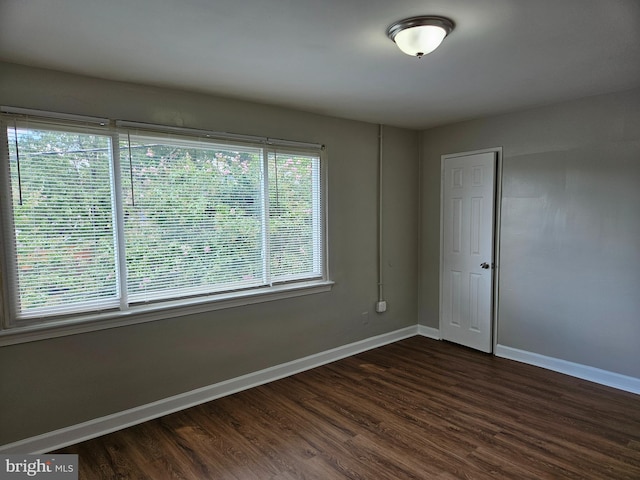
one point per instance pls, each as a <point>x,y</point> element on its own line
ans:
<point>484,265</point>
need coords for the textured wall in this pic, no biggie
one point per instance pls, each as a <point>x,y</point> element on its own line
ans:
<point>570,230</point>
<point>54,383</point>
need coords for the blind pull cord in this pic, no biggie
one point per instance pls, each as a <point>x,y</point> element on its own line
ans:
<point>15,132</point>
<point>275,164</point>
<point>133,197</point>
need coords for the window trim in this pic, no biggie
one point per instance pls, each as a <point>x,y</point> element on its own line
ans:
<point>13,332</point>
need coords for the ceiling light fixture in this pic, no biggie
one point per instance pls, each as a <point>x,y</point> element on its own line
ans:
<point>418,36</point>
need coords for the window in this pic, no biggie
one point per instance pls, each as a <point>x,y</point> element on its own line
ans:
<point>104,220</point>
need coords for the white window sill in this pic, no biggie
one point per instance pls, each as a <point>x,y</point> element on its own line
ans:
<point>158,311</point>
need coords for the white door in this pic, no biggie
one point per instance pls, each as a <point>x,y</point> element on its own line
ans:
<point>466,278</point>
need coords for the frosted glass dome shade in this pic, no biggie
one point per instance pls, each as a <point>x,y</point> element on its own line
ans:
<point>419,36</point>
<point>419,41</point>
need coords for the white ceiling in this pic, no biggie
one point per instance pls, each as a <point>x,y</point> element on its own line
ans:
<point>333,56</point>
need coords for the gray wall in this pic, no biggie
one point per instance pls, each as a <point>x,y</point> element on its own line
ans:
<point>54,383</point>
<point>570,232</point>
<point>570,256</point>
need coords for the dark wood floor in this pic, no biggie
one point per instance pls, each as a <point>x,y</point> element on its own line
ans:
<point>416,409</point>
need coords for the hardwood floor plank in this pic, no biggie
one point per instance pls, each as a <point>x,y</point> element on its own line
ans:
<point>415,409</point>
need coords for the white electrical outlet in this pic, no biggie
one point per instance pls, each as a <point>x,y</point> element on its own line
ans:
<point>381,306</point>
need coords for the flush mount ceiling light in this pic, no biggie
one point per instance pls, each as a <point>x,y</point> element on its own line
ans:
<point>418,36</point>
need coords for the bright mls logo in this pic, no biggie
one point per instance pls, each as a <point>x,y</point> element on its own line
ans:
<point>51,467</point>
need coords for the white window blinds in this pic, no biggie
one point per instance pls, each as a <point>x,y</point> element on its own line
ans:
<point>294,212</point>
<point>62,219</point>
<point>192,216</point>
<point>110,219</point>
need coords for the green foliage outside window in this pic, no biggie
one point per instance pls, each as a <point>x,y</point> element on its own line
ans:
<point>193,214</point>
<point>62,217</point>
<point>192,218</point>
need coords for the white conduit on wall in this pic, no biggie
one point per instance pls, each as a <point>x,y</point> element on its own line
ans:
<point>381,305</point>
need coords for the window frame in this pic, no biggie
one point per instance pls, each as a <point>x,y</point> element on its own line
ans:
<point>14,330</point>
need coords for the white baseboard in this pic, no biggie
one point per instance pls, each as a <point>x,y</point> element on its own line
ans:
<point>429,332</point>
<point>603,377</point>
<point>111,423</point>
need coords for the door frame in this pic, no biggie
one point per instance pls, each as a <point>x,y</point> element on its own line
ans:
<point>497,201</point>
